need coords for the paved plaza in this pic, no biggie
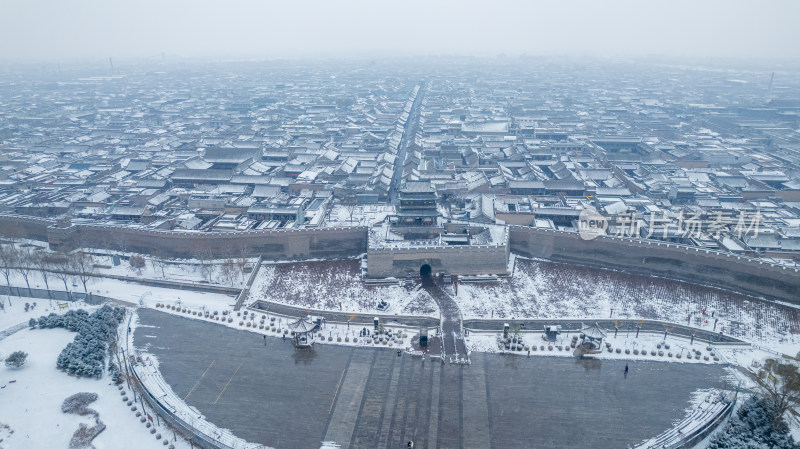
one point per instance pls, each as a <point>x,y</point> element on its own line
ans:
<point>267,392</point>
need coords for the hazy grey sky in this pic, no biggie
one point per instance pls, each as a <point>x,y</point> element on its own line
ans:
<point>70,29</point>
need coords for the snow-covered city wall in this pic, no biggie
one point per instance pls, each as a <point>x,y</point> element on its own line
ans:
<point>458,260</point>
<point>271,245</point>
<point>724,270</point>
<point>26,227</point>
<point>696,265</point>
<point>280,244</point>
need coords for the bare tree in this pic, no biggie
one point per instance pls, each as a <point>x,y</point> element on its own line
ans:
<point>44,262</point>
<point>242,261</point>
<point>8,261</point>
<point>64,268</point>
<point>350,203</point>
<point>229,271</point>
<point>85,268</point>
<point>457,200</point>
<point>207,270</point>
<point>205,256</point>
<point>107,242</point>
<point>26,264</point>
<point>159,261</point>
<point>447,202</point>
<point>782,382</point>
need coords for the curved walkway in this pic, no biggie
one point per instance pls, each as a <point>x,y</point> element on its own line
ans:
<point>172,408</point>
<point>5,333</point>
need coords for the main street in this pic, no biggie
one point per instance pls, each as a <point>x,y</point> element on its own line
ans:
<point>409,131</point>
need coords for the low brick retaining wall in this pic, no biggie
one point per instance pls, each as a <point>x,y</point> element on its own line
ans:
<point>343,317</point>
<point>651,326</point>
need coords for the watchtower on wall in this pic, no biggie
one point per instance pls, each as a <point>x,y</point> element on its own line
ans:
<point>416,205</point>
<point>415,241</point>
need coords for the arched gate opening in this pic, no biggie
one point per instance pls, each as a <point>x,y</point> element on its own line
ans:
<point>425,271</point>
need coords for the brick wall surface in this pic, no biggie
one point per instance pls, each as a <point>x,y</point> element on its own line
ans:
<point>458,260</point>
<point>722,270</point>
<point>672,261</point>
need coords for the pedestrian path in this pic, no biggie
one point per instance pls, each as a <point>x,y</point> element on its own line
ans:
<point>453,347</point>
<point>348,399</point>
<point>12,330</point>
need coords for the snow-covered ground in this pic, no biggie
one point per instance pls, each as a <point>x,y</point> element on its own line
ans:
<point>365,215</point>
<point>123,290</point>
<point>31,398</point>
<point>336,285</point>
<point>179,270</point>
<point>539,289</point>
<point>16,314</point>
<point>132,292</point>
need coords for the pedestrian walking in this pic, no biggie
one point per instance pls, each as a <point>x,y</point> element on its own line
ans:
<point>529,352</point>
<point>284,337</point>
<point>626,369</point>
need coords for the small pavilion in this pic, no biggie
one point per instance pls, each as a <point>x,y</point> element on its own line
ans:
<point>303,333</point>
<point>592,342</point>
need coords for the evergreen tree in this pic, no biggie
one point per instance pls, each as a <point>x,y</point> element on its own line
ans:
<point>16,359</point>
<point>85,355</point>
<point>754,426</point>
